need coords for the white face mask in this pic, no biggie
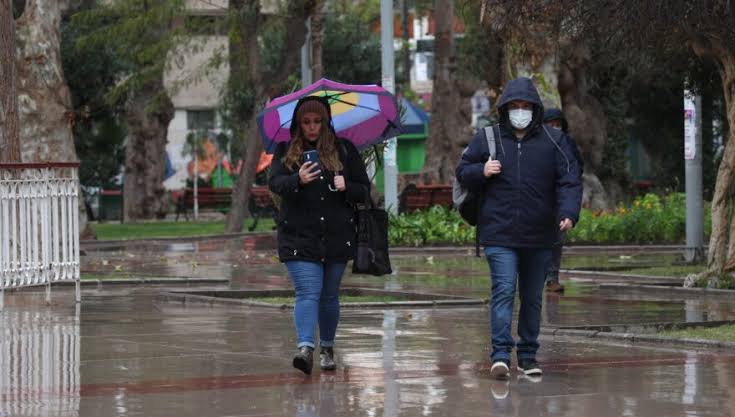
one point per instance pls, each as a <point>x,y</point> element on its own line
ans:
<point>520,118</point>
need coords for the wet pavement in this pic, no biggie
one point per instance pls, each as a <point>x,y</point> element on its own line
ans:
<point>122,353</point>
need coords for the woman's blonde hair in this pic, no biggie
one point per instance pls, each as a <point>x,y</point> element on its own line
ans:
<point>326,144</point>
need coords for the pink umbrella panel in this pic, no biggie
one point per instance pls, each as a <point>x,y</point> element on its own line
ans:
<point>362,114</point>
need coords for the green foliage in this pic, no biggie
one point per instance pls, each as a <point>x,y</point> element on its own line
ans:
<point>18,7</point>
<point>649,219</point>
<point>139,34</point>
<point>98,135</point>
<point>351,51</point>
<point>612,88</point>
<point>436,225</point>
<point>473,50</point>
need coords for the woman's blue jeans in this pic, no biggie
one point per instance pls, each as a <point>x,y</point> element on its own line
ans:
<point>317,300</point>
<point>527,267</point>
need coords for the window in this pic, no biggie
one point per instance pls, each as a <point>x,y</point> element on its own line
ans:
<point>200,119</point>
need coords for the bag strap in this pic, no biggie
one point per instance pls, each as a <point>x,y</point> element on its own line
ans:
<point>490,138</point>
<point>492,152</point>
<point>551,138</point>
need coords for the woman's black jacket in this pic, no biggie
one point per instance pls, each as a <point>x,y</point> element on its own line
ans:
<point>315,223</point>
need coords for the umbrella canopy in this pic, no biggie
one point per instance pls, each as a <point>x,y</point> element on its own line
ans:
<point>414,119</point>
<point>362,114</point>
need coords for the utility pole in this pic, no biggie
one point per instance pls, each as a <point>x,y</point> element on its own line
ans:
<point>694,251</point>
<point>390,168</point>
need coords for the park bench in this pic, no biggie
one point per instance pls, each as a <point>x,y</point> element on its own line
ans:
<point>261,204</point>
<point>207,198</point>
<point>220,199</point>
<point>419,197</point>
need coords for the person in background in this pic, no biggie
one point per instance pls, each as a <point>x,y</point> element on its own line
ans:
<point>554,118</point>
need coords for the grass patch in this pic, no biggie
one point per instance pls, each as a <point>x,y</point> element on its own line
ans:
<point>597,262</point>
<point>345,299</point>
<point>724,333</point>
<point>667,271</point>
<point>116,231</point>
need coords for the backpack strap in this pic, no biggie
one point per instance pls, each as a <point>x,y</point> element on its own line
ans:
<point>492,152</point>
<point>551,138</point>
<point>490,138</point>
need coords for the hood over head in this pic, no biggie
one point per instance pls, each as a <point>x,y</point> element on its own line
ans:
<point>556,114</point>
<point>520,89</point>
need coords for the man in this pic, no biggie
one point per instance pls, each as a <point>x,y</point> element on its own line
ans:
<point>531,191</point>
<point>554,118</point>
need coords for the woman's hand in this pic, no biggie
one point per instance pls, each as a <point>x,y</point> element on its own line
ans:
<point>339,182</point>
<point>308,172</point>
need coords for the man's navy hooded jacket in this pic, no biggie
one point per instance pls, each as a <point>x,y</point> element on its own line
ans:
<point>539,183</point>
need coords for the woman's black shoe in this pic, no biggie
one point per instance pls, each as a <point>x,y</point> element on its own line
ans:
<point>326,359</point>
<point>304,359</point>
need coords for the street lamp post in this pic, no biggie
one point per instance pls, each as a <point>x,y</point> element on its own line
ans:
<point>390,168</point>
<point>694,251</point>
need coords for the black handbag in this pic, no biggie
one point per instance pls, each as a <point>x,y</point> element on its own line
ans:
<point>371,255</point>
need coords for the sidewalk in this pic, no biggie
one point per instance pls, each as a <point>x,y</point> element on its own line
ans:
<point>125,355</point>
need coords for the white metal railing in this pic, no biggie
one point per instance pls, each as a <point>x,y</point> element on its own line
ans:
<point>39,225</point>
<point>40,361</point>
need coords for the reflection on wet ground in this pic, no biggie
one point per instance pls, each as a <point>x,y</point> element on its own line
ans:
<point>124,354</point>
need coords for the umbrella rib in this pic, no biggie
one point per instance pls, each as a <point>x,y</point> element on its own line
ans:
<point>358,105</point>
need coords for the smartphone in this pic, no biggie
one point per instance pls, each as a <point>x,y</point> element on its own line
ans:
<point>312,156</point>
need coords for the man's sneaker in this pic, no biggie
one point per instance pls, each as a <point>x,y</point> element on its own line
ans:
<point>554,286</point>
<point>326,359</point>
<point>529,367</point>
<point>500,369</point>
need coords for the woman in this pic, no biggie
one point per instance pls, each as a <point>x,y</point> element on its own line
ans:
<point>316,227</point>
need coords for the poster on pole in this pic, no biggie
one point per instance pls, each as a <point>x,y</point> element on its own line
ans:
<point>690,127</point>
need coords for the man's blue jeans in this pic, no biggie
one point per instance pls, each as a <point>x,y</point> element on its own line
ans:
<point>529,266</point>
<point>317,300</point>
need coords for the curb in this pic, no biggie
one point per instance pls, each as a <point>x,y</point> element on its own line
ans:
<point>131,281</point>
<point>622,274</point>
<point>568,249</point>
<point>642,338</point>
<point>186,297</point>
<point>96,243</point>
<point>664,289</point>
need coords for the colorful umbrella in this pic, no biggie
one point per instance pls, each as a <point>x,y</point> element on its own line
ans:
<point>363,114</point>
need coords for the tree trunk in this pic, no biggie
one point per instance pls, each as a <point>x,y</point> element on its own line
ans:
<point>245,71</point>
<point>448,129</point>
<point>721,257</point>
<point>9,121</point>
<point>405,46</point>
<point>145,150</point>
<point>721,253</point>
<point>244,61</point>
<point>45,109</point>
<point>317,40</point>
<point>587,120</point>
<point>241,192</point>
